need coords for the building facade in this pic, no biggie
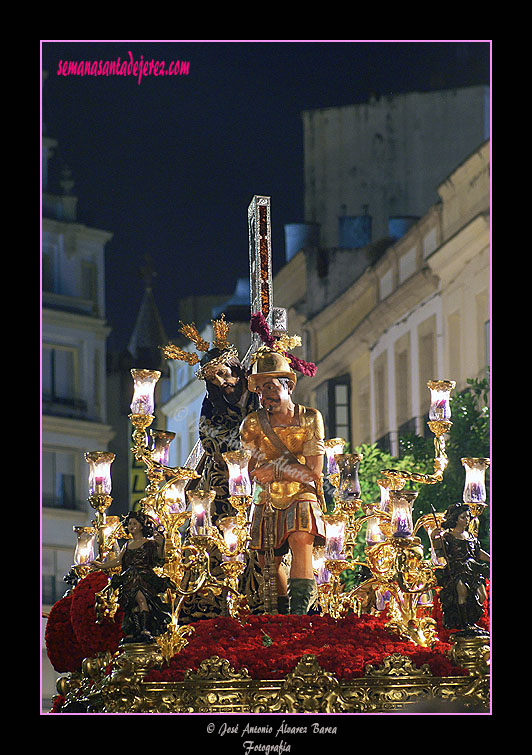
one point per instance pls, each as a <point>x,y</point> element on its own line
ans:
<point>73,368</point>
<point>419,311</point>
<point>373,167</point>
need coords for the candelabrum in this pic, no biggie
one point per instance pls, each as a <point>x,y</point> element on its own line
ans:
<point>341,531</point>
<point>400,577</point>
<point>173,509</point>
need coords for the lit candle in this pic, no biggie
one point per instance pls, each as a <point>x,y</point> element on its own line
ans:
<point>475,487</point>
<point>199,518</point>
<point>175,496</point>
<point>161,445</point>
<point>384,504</point>
<point>99,471</point>
<point>231,540</point>
<point>335,535</point>
<point>320,570</point>
<point>144,387</point>
<point>333,447</point>
<point>84,552</point>
<point>201,502</point>
<point>402,502</point>
<point>237,465</point>
<point>349,487</point>
<point>440,408</point>
<point>426,599</point>
<point>98,485</point>
<point>402,527</point>
<point>373,532</point>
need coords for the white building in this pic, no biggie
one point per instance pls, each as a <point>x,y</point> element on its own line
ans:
<point>386,158</point>
<point>74,413</point>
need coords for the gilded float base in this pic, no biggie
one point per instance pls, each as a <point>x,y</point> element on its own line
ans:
<point>397,685</point>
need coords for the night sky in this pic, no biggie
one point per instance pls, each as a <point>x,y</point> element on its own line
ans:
<point>170,165</point>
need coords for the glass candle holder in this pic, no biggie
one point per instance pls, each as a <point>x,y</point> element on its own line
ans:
<point>381,598</point>
<point>384,504</point>
<point>349,486</point>
<point>321,573</point>
<point>335,537</point>
<point>333,447</point>
<point>402,502</point>
<point>99,471</point>
<point>112,523</point>
<point>440,406</point>
<point>475,487</point>
<point>144,382</point>
<point>237,465</point>
<point>174,496</point>
<point>227,526</point>
<point>201,502</point>
<point>84,551</point>
<point>374,533</point>
<point>160,450</point>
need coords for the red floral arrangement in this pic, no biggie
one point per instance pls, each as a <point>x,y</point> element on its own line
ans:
<point>259,326</point>
<point>269,647</point>
<point>63,649</point>
<point>72,633</point>
<point>94,638</point>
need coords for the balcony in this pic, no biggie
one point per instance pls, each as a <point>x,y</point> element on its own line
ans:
<point>57,406</point>
<point>65,503</point>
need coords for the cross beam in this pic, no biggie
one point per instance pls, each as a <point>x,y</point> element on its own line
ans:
<point>260,270</point>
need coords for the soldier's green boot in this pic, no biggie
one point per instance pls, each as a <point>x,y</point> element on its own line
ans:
<point>300,593</point>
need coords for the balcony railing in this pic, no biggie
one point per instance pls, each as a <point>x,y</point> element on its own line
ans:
<point>63,502</point>
<point>59,406</point>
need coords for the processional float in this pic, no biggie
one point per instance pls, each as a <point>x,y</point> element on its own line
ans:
<point>401,577</point>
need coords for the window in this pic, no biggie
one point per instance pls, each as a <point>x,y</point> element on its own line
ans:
<point>89,282</point>
<point>58,372</point>
<point>48,260</point>
<point>386,284</point>
<point>426,358</point>
<point>407,265</point>
<point>47,273</point>
<point>363,430</point>
<point>402,386</point>
<point>381,395</point>
<point>59,479</point>
<point>340,408</point>
<point>333,400</point>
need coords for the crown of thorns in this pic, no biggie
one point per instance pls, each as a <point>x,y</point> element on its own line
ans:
<point>226,353</point>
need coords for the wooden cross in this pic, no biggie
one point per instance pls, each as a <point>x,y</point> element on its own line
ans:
<point>261,300</point>
<point>260,271</point>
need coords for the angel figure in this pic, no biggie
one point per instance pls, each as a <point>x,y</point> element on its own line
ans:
<point>463,579</point>
<point>146,616</point>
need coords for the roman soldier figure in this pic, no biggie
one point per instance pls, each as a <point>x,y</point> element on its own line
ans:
<point>287,444</point>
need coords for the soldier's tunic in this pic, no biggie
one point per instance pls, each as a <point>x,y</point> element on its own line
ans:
<point>296,504</point>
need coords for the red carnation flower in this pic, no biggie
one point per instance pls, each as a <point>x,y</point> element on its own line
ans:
<point>94,638</point>
<point>62,647</point>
